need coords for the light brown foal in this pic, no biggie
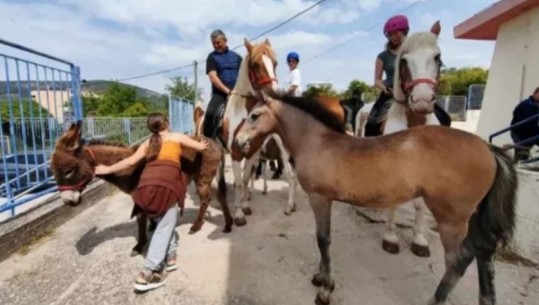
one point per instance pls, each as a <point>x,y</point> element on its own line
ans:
<point>468,185</point>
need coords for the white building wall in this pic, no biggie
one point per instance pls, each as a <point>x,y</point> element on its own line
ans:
<point>514,73</point>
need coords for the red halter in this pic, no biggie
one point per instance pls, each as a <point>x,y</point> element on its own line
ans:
<point>82,184</point>
<point>410,84</point>
<point>256,83</point>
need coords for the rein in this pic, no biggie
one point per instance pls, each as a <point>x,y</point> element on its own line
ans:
<point>82,184</point>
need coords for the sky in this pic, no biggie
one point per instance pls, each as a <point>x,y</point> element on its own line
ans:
<point>117,39</point>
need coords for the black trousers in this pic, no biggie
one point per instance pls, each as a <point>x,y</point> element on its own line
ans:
<point>217,100</point>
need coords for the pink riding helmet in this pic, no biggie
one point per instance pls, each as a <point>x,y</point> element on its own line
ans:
<point>396,23</point>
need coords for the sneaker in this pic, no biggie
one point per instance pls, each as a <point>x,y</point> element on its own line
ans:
<point>145,282</point>
<point>171,264</point>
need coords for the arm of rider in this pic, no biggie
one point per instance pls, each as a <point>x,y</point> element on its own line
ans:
<point>211,71</point>
<point>378,73</point>
<point>214,79</point>
<point>125,163</point>
<point>189,142</point>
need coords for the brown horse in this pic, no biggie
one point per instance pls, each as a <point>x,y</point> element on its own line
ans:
<point>73,163</point>
<point>468,185</point>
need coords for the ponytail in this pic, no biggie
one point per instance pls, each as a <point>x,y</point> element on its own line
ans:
<point>156,123</point>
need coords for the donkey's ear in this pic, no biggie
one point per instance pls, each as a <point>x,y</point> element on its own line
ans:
<point>436,28</point>
<point>248,45</point>
<point>72,139</point>
<point>267,42</point>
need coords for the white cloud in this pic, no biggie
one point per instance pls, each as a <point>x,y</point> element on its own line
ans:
<point>119,39</point>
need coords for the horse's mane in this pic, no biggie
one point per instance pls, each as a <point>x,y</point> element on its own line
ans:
<point>311,106</point>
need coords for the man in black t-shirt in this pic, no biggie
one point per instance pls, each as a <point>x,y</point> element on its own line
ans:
<point>222,67</point>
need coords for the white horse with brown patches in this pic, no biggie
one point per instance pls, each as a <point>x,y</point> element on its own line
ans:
<point>257,72</point>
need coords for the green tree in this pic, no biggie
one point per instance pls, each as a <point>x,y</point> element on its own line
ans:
<point>136,110</point>
<point>181,88</point>
<point>456,81</point>
<point>29,108</point>
<point>321,90</point>
<point>116,99</point>
<point>90,103</point>
<point>356,88</point>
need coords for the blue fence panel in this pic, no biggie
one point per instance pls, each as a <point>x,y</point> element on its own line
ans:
<point>475,96</point>
<point>181,115</point>
<point>39,98</point>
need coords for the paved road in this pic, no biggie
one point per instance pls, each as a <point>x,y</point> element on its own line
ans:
<point>270,261</point>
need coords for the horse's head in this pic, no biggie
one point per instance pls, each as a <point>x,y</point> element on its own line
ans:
<point>260,123</point>
<point>72,165</point>
<point>262,65</point>
<point>417,71</point>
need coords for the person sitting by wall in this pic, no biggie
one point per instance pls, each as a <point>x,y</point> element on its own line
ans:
<point>525,110</point>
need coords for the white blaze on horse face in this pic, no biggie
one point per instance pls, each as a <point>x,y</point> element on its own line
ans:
<point>422,65</point>
<point>268,63</point>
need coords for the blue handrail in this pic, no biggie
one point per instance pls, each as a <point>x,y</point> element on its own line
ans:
<point>535,117</point>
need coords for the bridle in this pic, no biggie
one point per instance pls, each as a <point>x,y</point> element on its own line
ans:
<point>80,186</point>
<point>258,83</point>
<point>408,85</point>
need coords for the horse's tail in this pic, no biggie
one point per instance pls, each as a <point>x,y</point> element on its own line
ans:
<point>494,220</point>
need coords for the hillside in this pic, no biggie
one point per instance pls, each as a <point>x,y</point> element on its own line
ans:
<point>100,86</point>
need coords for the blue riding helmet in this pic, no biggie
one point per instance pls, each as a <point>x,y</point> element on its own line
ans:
<point>292,55</point>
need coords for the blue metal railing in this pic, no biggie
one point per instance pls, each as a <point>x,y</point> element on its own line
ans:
<point>181,115</point>
<point>39,98</point>
<point>523,142</point>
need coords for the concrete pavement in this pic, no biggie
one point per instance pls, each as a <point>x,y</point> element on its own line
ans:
<point>269,261</point>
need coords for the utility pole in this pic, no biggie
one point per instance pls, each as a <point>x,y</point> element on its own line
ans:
<point>195,65</point>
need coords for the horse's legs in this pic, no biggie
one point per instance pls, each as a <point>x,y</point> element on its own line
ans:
<point>485,268</point>
<point>459,254</point>
<point>265,177</point>
<point>390,242</point>
<point>204,193</point>
<point>239,217</point>
<point>291,207</point>
<point>420,246</point>
<point>221,197</point>
<point>252,181</point>
<point>247,177</point>
<point>290,175</point>
<point>142,221</point>
<point>322,213</point>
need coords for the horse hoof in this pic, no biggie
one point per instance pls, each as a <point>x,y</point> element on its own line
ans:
<point>390,247</point>
<point>264,192</point>
<point>227,230</point>
<point>240,222</point>
<point>318,280</point>
<point>322,299</point>
<point>247,211</point>
<point>421,251</point>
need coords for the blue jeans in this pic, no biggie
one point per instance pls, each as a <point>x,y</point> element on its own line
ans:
<point>164,241</point>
